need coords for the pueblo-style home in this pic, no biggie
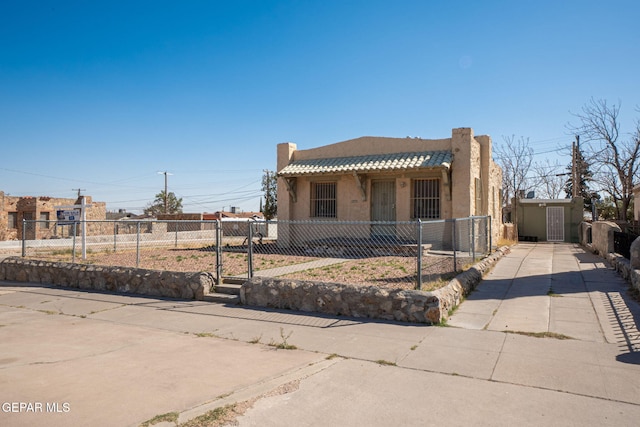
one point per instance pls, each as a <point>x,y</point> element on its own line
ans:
<point>391,179</point>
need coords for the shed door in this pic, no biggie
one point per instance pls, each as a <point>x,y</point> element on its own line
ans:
<point>555,224</point>
<point>383,207</point>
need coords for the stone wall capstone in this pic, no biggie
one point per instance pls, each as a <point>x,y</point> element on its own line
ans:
<point>172,284</point>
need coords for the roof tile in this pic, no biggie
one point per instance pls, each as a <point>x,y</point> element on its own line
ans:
<point>369,163</point>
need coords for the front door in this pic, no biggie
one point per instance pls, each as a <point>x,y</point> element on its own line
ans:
<point>383,207</point>
<point>555,224</point>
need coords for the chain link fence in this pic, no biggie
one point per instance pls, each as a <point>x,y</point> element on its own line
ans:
<point>409,255</point>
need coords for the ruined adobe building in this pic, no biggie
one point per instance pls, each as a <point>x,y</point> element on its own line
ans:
<point>15,209</point>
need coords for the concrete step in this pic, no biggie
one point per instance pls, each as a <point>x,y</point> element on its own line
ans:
<point>223,298</point>
<point>234,280</point>
<point>228,288</point>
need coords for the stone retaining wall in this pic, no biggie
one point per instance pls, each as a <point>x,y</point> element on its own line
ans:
<point>623,266</point>
<point>330,298</point>
<point>115,279</point>
<point>366,301</point>
<point>602,244</point>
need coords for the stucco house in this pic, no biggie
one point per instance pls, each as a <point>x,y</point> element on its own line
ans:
<point>391,179</point>
<point>549,220</point>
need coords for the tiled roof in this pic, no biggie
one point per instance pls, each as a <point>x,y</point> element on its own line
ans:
<point>371,163</point>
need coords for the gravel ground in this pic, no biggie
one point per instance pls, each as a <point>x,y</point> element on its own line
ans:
<point>391,272</point>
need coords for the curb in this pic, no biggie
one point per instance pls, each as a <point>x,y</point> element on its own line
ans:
<point>255,391</point>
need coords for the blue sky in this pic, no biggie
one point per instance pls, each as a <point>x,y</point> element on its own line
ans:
<point>104,95</point>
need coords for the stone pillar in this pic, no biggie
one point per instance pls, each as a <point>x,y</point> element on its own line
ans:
<point>602,236</point>
<point>461,174</point>
<point>286,152</point>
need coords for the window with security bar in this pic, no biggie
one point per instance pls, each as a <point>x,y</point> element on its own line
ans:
<point>323,199</point>
<point>425,200</point>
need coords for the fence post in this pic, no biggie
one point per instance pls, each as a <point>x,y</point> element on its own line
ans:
<point>137,244</point>
<point>115,236</point>
<point>24,238</point>
<point>73,245</point>
<point>83,214</point>
<point>419,261</point>
<point>250,251</point>
<point>490,234</point>
<point>473,238</point>
<point>218,253</point>
<point>177,225</point>
<point>454,245</point>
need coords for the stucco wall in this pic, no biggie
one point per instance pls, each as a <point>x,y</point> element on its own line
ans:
<point>372,145</point>
<point>602,236</point>
<point>463,172</point>
<point>532,217</point>
<point>495,201</point>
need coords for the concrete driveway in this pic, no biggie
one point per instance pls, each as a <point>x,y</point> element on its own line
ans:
<point>101,359</point>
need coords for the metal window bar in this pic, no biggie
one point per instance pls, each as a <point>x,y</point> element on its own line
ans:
<point>323,199</point>
<point>426,198</point>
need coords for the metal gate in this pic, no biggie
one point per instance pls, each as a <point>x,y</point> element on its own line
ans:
<point>383,207</point>
<point>555,224</point>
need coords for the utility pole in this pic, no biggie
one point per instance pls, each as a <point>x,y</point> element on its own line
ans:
<point>574,169</point>
<point>83,221</point>
<point>268,192</point>
<point>165,173</point>
<point>579,171</point>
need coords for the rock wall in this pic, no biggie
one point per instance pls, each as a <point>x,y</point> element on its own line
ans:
<point>366,301</point>
<point>102,278</point>
<point>338,299</point>
<point>601,234</point>
<point>624,268</point>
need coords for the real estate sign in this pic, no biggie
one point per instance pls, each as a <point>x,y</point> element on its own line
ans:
<point>68,217</point>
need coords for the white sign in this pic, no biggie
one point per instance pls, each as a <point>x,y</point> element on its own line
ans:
<point>68,217</point>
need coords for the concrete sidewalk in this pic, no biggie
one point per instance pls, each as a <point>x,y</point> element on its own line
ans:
<point>121,360</point>
<point>555,288</point>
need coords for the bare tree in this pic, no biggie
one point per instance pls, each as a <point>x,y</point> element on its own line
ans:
<point>615,157</point>
<point>515,157</point>
<point>549,179</point>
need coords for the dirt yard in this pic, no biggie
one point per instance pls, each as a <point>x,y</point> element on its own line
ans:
<point>392,272</point>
